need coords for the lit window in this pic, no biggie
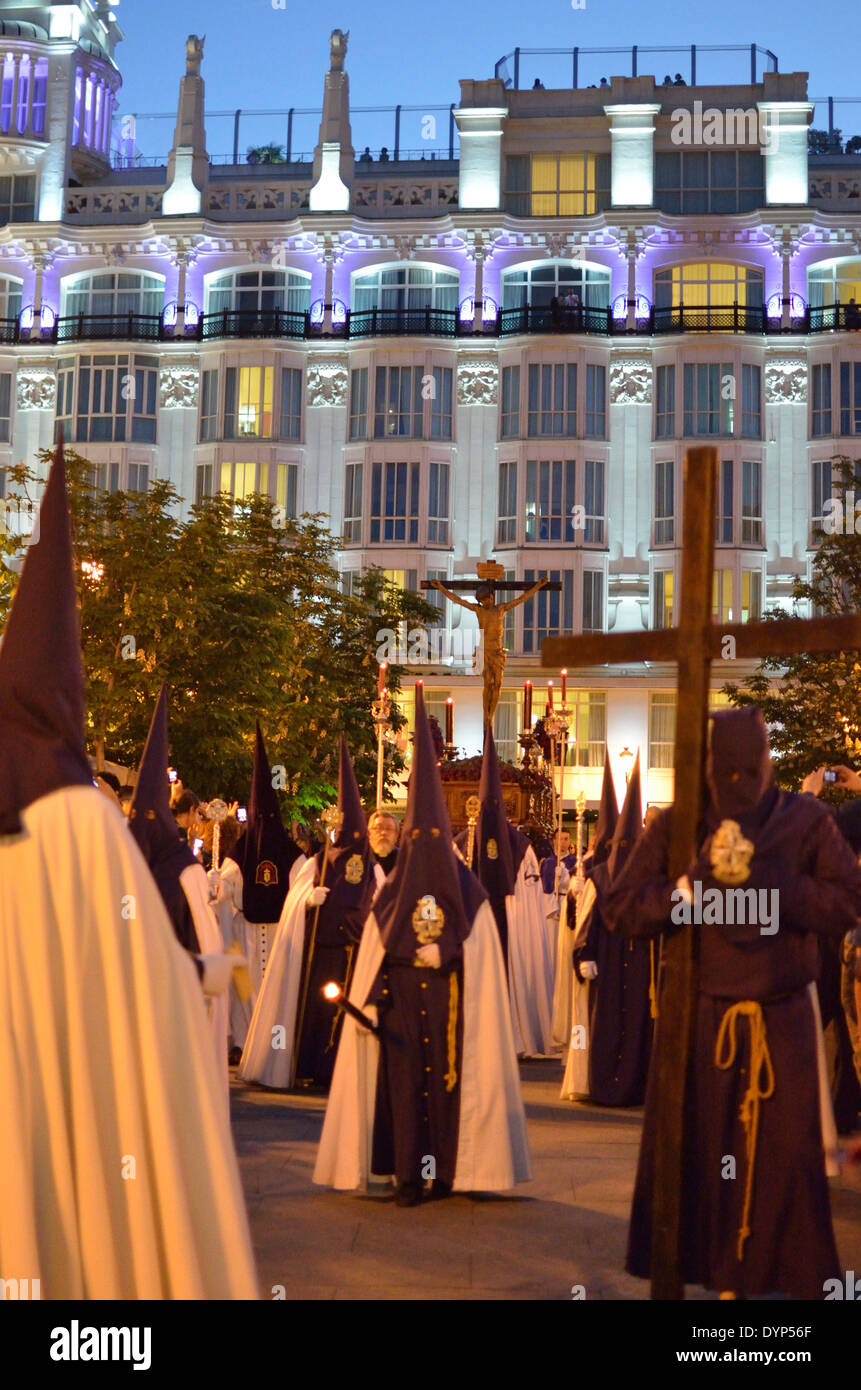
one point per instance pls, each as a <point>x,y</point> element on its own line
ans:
<point>662,609</point>
<point>751,596</point>
<point>722,595</point>
<point>662,729</point>
<point>556,185</point>
<point>833,282</point>
<point>248,402</point>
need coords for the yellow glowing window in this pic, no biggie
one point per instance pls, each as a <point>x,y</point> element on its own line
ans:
<point>664,598</point>
<point>718,700</point>
<point>834,283</point>
<point>698,285</point>
<point>563,185</point>
<point>244,480</point>
<point>751,596</point>
<point>254,404</point>
<point>226,477</point>
<point>722,595</point>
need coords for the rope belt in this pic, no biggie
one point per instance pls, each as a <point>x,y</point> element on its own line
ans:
<point>653,987</point>
<point>760,1087</point>
<point>451,1074</point>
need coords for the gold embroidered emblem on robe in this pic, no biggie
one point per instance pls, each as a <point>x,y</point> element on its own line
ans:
<point>428,921</point>
<point>492,849</point>
<point>355,868</point>
<point>730,853</point>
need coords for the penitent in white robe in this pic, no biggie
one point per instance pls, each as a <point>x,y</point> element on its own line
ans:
<point>268,1054</point>
<point>492,1147</point>
<point>530,962</point>
<point>119,1179</point>
<point>575,1082</point>
<point>194,885</point>
<point>255,940</point>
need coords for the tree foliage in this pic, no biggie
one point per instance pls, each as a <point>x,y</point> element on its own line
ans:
<point>242,612</point>
<point>812,701</point>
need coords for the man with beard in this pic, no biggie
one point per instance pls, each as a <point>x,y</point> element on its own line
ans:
<point>755,1094</point>
<point>383,832</point>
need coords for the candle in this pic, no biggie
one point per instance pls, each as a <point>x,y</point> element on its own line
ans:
<point>564,685</point>
<point>449,720</point>
<point>550,695</point>
<point>382,685</point>
<point>527,705</point>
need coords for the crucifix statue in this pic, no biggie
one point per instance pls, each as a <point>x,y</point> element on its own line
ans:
<point>693,645</point>
<point>489,656</point>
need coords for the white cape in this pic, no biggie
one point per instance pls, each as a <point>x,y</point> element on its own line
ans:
<point>119,1175</point>
<point>278,1001</point>
<point>194,885</point>
<point>255,940</point>
<point>530,962</point>
<point>575,1082</point>
<point>492,1147</point>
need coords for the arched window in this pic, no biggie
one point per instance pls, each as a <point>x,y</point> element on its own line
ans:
<point>253,290</point>
<point>534,286</point>
<point>708,284</point>
<point>114,292</point>
<point>833,282</point>
<point>405,287</point>
<point>10,298</point>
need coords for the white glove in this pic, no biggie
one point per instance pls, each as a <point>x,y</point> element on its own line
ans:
<point>213,878</point>
<point>429,955</point>
<point>564,879</point>
<point>317,896</point>
<point>684,886</point>
<point>589,969</point>
<point>217,970</point>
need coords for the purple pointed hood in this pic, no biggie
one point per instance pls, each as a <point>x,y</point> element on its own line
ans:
<point>494,859</point>
<point>151,820</point>
<point>608,815</point>
<point>629,826</point>
<point>426,865</point>
<point>265,852</point>
<point>42,706</point>
<point>349,863</point>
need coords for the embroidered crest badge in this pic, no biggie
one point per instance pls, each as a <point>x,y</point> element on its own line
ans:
<point>730,853</point>
<point>355,868</point>
<point>428,920</point>
<point>267,874</point>
<point>492,849</point>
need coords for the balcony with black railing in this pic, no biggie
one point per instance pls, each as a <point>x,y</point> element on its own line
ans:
<point>254,323</point>
<point>9,331</point>
<point>712,318</point>
<point>829,318</point>
<point>405,323</point>
<point>531,318</point>
<point>125,328</point>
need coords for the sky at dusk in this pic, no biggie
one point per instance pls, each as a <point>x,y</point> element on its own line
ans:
<point>260,57</point>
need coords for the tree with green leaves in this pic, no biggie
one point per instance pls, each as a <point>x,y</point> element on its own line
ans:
<point>241,610</point>
<point>812,701</point>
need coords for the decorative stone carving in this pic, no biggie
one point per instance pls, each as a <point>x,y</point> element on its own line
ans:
<point>37,388</point>
<point>178,386</point>
<point>478,382</point>
<point>631,381</point>
<point>326,381</point>
<point>193,55</point>
<point>786,380</point>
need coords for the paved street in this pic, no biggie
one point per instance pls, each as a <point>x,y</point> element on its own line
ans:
<point>566,1227</point>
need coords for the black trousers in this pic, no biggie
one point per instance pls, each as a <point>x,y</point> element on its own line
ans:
<point>418,1081</point>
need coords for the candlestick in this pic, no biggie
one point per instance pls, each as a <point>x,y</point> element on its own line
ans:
<point>550,694</point>
<point>527,705</point>
<point>564,685</point>
<point>382,685</point>
<point>449,720</point>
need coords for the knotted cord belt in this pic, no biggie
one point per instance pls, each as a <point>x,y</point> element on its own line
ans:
<point>760,1087</point>
<point>451,1074</point>
<point>653,987</point>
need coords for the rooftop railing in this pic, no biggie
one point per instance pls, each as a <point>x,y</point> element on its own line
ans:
<point>511,75</point>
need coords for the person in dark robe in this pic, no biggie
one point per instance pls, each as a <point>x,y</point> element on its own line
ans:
<point>621,973</point>
<point>294,1031</point>
<point>756,1217</point>
<point>163,844</point>
<point>548,864</point>
<point>255,879</point>
<point>441,1069</point>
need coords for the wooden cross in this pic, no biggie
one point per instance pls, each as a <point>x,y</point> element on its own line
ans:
<point>693,645</point>
<point>490,576</point>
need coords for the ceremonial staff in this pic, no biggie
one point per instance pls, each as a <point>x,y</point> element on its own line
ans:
<point>473,809</point>
<point>216,811</point>
<point>381,713</point>
<point>579,876</point>
<point>331,819</point>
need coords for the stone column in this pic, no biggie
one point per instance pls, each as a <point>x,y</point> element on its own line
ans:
<point>632,139</point>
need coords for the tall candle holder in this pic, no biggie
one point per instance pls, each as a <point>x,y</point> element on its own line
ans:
<point>557,723</point>
<point>381,713</point>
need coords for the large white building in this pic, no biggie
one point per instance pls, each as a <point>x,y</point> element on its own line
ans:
<point>386,340</point>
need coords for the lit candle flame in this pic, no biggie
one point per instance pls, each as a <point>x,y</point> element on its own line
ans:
<point>331,991</point>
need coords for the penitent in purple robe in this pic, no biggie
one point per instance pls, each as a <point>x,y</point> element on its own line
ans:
<point>798,851</point>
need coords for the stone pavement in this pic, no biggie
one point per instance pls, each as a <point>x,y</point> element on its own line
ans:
<point>566,1227</point>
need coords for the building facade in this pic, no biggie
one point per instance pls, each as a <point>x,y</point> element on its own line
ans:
<point>501,355</point>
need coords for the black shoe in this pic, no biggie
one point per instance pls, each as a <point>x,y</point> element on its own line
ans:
<point>440,1189</point>
<point>408,1194</point>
